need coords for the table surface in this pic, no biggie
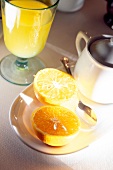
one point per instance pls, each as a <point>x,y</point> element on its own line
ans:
<point>14,154</point>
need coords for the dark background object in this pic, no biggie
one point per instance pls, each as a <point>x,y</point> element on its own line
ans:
<point>108,17</point>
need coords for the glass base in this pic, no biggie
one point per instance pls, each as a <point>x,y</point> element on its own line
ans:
<point>20,71</point>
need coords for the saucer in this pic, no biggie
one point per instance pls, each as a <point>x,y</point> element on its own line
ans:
<point>20,121</point>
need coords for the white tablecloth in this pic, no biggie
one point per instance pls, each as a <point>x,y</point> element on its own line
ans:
<point>14,154</point>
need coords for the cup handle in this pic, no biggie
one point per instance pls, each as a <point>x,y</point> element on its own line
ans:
<point>81,35</point>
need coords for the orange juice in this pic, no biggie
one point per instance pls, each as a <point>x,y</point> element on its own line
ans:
<point>26,27</point>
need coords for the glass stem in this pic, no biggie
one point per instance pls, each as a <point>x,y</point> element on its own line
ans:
<point>22,63</point>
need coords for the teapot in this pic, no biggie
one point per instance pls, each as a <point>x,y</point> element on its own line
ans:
<point>94,68</point>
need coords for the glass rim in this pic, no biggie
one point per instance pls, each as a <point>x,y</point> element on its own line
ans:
<point>40,9</point>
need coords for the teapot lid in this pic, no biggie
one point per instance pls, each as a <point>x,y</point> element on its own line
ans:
<point>101,49</point>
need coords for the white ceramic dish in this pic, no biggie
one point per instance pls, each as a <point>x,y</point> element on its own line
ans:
<point>20,120</point>
<point>70,5</point>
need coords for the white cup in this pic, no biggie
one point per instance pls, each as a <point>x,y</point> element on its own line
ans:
<point>94,79</point>
<point>70,5</point>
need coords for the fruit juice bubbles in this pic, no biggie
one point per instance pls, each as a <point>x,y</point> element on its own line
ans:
<point>26,27</point>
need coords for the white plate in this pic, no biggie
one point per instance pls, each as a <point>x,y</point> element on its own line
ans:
<point>20,120</point>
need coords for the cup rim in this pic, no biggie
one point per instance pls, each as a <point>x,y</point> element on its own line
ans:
<point>40,9</point>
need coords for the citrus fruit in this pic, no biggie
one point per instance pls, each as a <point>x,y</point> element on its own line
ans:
<point>52,86</point>
<point>55,125</point>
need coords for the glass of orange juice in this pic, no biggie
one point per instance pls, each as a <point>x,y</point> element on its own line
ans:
<point>26,25</point>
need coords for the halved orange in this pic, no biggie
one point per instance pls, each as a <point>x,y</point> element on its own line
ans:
<point>55,125</point>
<point>52,86</point>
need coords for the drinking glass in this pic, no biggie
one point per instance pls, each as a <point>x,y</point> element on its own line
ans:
<point>26,25</point>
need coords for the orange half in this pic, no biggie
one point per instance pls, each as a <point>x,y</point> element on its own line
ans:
<point>52,86</point>
<point>55,125</point>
